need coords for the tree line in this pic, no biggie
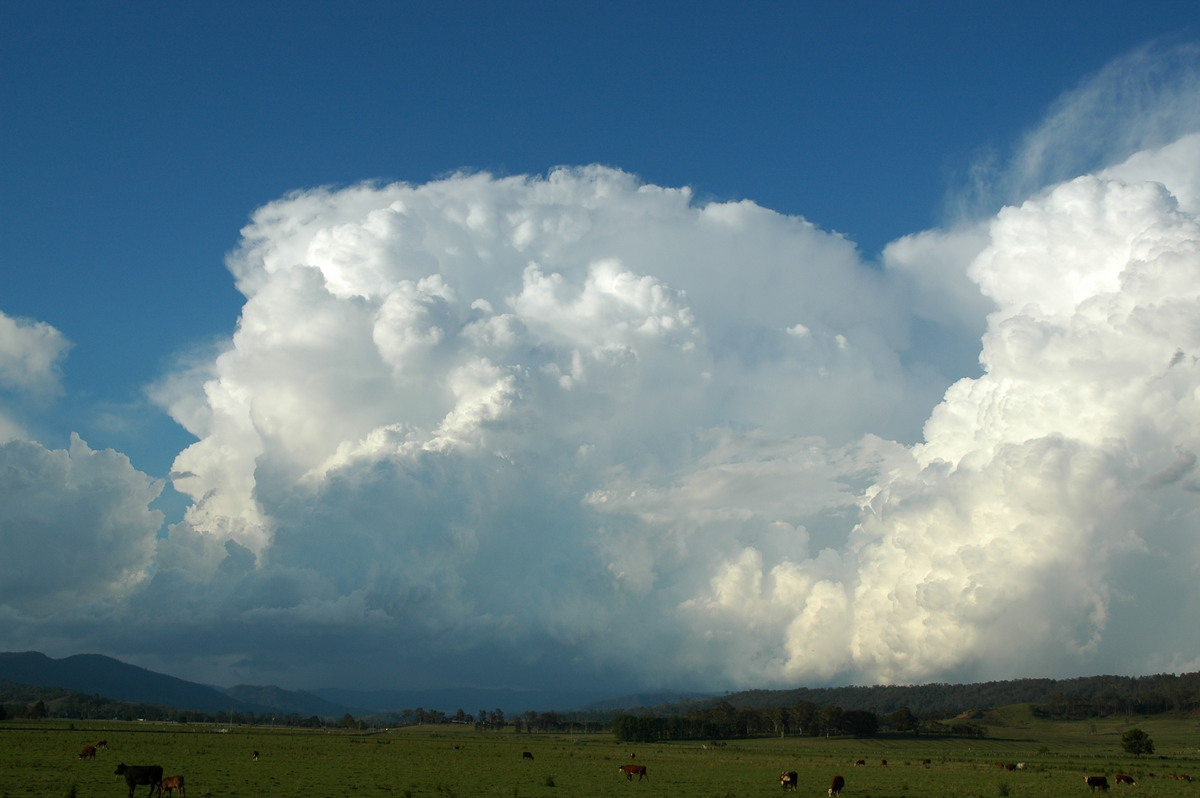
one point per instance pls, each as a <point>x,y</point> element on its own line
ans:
<point>724,721</point>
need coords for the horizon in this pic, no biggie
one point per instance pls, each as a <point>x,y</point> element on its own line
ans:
<point>620,345</point>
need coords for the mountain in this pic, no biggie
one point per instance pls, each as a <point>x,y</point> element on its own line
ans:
<point>292,702</point>
<point>644,700</point>
<point>471,700</point>
<point>95,674</point>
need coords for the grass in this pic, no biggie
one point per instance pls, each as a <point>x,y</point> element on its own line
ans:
<point>40,759</point>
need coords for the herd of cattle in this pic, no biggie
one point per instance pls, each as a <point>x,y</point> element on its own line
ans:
<point>137,775</point>
<point>152,775</point>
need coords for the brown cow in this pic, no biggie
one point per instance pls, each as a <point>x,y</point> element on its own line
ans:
<point>788,779</point>
<point>629,770</point>
<point>858,762</point>
<point>88,752</point>
<point>141,774</point>
<point>102,744</point>
<point>1122,778</point>
<point>835,786</point>
<point>1097,783</point>
<point>172,783</point>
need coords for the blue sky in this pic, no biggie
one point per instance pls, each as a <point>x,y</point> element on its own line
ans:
<point>823,281</point>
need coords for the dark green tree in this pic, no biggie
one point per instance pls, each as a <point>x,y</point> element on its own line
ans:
<point>903,720</point>
<point>1137,742</point>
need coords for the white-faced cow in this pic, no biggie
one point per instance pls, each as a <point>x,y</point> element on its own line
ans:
<point>836,786</point>
<point>1097,783</point>
<point>788,780</point>
<point>141,774</point>
<point>630,770</point>
<point>172,783</point>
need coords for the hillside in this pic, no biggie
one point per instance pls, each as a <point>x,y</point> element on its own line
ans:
<point>94,674</point>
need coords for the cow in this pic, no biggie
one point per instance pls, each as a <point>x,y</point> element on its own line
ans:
<point>101,745</point>
<point>629,770</point>
<point>835,786</point>
<point>172,783</point>
<point>788,779</point>
<point>1122,778</point>
<point>858,762</point>
<point>883,763</point>
<point>926,762</point>
<point>1096,783</point>
<point>141,774</point>
<point>254,756</point>
<point>88,752</point>
<point>526,755</point>
<point>1010,766</point>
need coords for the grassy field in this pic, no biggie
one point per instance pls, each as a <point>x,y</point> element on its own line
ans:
<point>40,759</point>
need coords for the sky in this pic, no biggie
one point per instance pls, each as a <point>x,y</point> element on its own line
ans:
<point>622,345</point>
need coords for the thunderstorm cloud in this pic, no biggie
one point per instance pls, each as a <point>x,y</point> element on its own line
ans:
<point>547,429</point>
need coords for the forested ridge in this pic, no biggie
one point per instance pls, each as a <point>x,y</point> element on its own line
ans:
<point>1068,698</point>
<point>937,708</point>
<point>930,709</point>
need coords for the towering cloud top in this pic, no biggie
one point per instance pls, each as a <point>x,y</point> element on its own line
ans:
<point>564,427</point>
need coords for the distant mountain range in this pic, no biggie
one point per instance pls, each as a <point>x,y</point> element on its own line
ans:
<point>95,674</point>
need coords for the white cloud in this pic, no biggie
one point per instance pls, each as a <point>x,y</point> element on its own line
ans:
<point>30,353</point>
<point>77,527</point>
<point>484,428</point>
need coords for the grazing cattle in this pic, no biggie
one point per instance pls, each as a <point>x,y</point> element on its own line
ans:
<point>1122,778</point>
<point>255,756</point>
<point>1020,766</point>
<point>172,783</point>
<point>835,786</point>
<point>141,774</point>
<point>926,762</point>
<point>788,779</point>
<point>1096,783</point>
<point>88,752</point>
<point>1011,766</point>
<point>858,762</point>
<point>102,744</point>
<point>883,763</point>
<point>629,770</point>
<point>526,755</point>
<point>632,755</point>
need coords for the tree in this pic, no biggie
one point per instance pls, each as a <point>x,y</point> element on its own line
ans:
<point>903,720</point>
<point>1137,742</point>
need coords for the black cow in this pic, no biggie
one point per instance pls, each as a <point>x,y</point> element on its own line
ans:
<point>526,755</point>
<point>1097,783</point>
<point>788,779</point>
<point>141,774</point>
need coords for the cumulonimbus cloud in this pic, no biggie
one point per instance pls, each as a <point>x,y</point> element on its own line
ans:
<point>578,426</point>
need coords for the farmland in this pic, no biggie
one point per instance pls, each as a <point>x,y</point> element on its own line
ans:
<point>447,761</point>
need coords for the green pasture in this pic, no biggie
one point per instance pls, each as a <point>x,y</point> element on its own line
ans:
<point>40,759</point>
